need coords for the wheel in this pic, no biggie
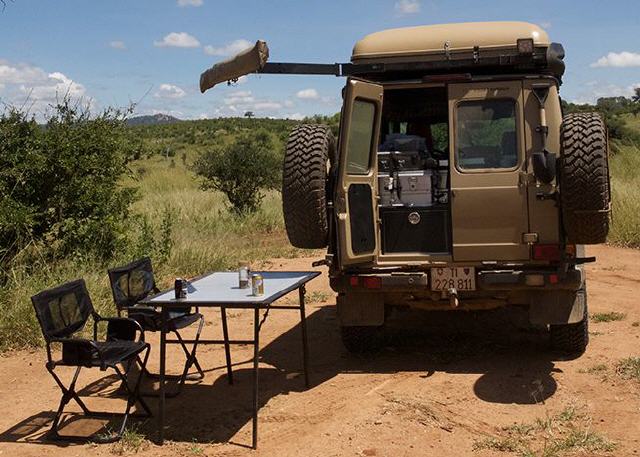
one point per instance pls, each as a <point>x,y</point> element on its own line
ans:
<point>304,182</point>
<point>360,340</point>
<point>571,339</point>
<point>584,179</point>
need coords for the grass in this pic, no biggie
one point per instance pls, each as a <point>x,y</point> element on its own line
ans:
<point>131,442</point>
<point>625,186</point>
<point>566,432</point>
<point>629,368</point>
<point>607,317</point>
<point>205,237</point>
<point>599,368</point>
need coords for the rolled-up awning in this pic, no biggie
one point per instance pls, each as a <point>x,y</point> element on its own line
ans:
<point>249,61</point>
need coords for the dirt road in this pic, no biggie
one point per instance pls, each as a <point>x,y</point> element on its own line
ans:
<point>440,388</point>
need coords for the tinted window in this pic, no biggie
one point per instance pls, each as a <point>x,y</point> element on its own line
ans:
<point>360,137</point>
<point>486,134</point>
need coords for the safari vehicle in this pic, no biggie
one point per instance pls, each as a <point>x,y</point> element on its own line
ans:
<point>456,182</point>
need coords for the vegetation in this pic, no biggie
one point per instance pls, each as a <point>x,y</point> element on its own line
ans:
<point>242,170</point>
<point>185,230</point>
<point>608,317</point>
<point>629,368</point>
<point>60,184</point>
<point>567,432</point>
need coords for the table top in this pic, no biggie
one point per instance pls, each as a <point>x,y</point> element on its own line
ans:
<point>221,288</point>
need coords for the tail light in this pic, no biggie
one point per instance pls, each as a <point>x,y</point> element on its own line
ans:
<point>550,252</point>
<point>372,282</point>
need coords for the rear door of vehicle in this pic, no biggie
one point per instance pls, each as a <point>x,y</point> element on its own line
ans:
<point>488,195</point>
<point>356,193</point>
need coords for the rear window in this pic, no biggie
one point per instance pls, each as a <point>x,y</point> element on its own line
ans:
<point>360,137</point>
<point>486,135</point>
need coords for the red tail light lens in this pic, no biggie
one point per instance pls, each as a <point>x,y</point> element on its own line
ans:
<point>372,282</point>
<point>549,252</point>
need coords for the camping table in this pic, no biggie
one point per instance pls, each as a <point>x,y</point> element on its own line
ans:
<point>220,290</point>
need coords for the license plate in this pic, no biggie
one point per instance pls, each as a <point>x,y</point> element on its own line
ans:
<point>459,278</point>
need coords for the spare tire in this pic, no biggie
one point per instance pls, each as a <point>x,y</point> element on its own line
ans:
<point>585,193</point>
<point>304,185</point>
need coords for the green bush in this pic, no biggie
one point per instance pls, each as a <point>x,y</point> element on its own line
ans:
<point>243,170</point>
<point>60,182</point>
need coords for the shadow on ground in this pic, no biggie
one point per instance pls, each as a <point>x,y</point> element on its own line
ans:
<point>512,360</point>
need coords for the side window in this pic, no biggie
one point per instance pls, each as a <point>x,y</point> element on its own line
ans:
<point>360,137</point>
<point>486,135</point>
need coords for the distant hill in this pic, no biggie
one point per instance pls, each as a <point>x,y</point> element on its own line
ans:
<point>154,119</point>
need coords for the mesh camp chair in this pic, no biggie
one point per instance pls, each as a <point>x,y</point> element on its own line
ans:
<point>62,312</point>
<point>132,283</point>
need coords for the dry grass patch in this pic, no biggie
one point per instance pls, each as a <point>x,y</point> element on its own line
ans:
<point>629,368</point>
<point>570,431</point>
<point>611,316</point>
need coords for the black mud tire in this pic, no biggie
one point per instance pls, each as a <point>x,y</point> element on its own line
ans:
<point>571,340</point>
<point>584,179</point>
<point>304,185</point>
<point>361,339</point>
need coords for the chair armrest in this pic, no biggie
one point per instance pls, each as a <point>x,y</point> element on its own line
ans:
<point>119,328</point>
<point>80,351</point>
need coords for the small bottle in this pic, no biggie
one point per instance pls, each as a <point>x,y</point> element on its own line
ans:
<point>243,276</point>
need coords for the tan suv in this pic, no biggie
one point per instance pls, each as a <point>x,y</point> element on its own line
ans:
<point>456,182</point>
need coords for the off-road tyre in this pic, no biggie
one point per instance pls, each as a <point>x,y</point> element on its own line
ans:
<point>571,340</point>
<point>584,178</point>
<point>304,185</point>
<point>361,339</point>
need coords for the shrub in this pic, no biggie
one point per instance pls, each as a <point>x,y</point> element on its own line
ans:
<point>243,170</point>
<point>60,183</point>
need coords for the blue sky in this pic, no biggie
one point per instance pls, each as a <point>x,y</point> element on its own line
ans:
<point>153,52</point>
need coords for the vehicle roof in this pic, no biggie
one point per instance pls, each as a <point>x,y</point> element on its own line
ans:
<point>430,39</point>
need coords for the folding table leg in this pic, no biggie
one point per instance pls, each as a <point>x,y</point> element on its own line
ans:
<point>227,350</point>
<point>256,350</point>
<point>163,350</point>
<point>303,326</point>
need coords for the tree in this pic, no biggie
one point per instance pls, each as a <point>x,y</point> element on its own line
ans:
<point>249,114</point>
<point>61,185</point>
<point>636,101</point>
<point>242,170</point>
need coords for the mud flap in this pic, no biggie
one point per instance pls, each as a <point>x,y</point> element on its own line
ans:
<point>361,309</point>
<point>557,307</point>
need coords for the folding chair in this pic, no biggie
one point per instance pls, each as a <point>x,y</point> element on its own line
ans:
<point>132,283</point>
<point>63,311</point>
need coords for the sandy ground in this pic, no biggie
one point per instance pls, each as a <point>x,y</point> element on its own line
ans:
<point>434,390</point>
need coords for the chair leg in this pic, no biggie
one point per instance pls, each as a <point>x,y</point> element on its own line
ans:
<point>68,394</point>
<point>191,360</point>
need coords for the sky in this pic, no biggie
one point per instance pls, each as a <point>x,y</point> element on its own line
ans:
<point>151,52</point>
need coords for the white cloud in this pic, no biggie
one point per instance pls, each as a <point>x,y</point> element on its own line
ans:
<point>618,59</point>
<point>267,106</point>
<point>239,97</point>
<point>308,94</point>
<point>169,91</point>
<point>546,25</point>
<point>183,3</point>
<point>178,40</point>
<point>117,44</point>
<point>295,116</point>
<point>598,89</point>
<point>31,86</point>
<point>229,49</point>
<point>243,100</point>
<point>407,7</point>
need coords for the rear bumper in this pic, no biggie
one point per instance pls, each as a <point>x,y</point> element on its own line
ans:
<point>487,280</point>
